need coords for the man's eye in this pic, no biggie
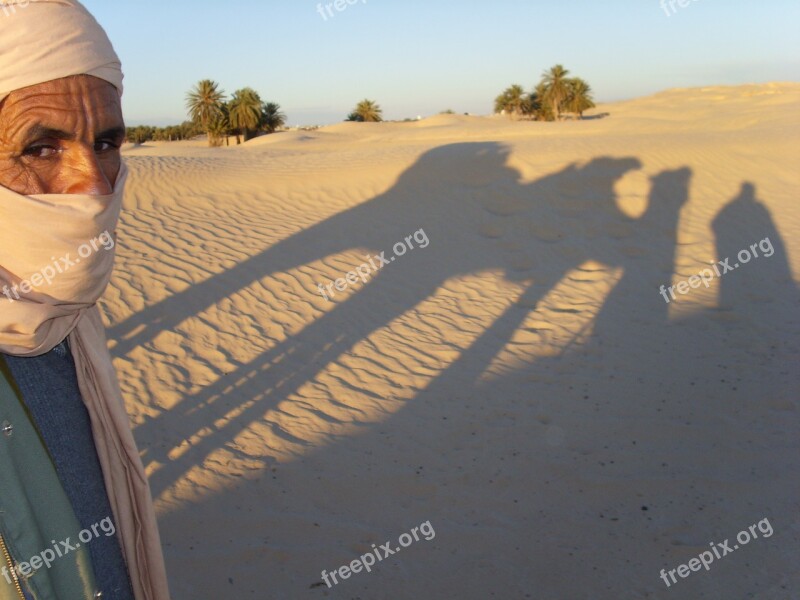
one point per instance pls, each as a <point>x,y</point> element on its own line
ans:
<point>105,146</point>
<point>40,151</point>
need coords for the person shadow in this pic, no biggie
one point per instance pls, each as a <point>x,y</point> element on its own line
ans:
<point>766,269</point>
<point>477,217</point>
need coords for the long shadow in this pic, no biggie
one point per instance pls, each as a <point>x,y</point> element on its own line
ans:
<point>490,222</point>
<point>407,207</point>
<point>660,432</point>
<point>670,414</point>
<point>745,226</point>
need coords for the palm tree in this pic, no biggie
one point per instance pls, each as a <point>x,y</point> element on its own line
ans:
<point>272,118</point>
<point>557,88</point>
<point>204,103</point>
<point>512,101</point>
<point>219,127</point>
<point>542,110</point>
<point>366,111</point>
<point>245,112</point>
<point>580,96</point>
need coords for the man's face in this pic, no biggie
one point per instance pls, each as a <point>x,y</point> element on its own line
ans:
<point>62,137</point>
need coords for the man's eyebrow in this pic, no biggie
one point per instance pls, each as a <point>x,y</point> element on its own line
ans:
<point>39,131</point>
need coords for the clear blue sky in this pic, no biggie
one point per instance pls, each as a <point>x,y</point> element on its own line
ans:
<point>418,57</point>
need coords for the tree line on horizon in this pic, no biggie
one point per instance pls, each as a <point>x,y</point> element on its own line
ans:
<point>245,115</point>
<point>554,95</point>
<point>172,133</point>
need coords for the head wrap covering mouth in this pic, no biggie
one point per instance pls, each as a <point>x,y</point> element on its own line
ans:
<point>50,291</point>
<point>45,40</point>
<point>41,41</point>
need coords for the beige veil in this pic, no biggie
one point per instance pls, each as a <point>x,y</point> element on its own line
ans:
<point>54,267</point>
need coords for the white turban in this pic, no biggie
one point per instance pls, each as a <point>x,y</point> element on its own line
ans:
<point>43,40</point>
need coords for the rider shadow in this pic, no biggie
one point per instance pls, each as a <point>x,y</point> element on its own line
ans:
<point>478,218</point>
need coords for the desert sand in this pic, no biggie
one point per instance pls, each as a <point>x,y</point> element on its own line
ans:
<point>520,382</point>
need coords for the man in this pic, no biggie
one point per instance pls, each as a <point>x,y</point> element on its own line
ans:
<point>76,515</point>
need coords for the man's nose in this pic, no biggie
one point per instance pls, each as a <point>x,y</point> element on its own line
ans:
<point>83,174</point>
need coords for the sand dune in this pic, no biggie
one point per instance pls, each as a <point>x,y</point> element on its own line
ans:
<point>519,381</point>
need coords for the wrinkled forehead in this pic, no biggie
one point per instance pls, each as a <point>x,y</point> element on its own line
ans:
<point>70,103</point>
<point>75,90</point>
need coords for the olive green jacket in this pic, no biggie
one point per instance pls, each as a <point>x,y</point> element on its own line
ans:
<point>40,549</point>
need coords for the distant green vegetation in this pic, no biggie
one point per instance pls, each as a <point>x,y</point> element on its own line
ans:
<point>144,133</point>
<point>366,111</point>
<point>244,115</point>
<point>555,95</point>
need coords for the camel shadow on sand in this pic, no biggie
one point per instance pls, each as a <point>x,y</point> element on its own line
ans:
<point>629,409</point>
